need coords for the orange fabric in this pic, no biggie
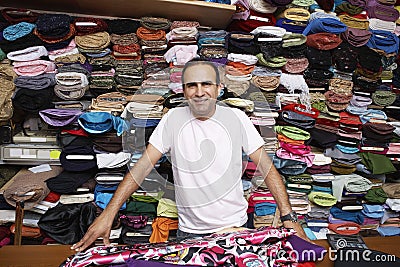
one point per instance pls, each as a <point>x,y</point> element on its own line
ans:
<point>161,227</point>
<point>285,139</point>
<point>147,34</point>
<point>27,231</point>
<point>238,68</point>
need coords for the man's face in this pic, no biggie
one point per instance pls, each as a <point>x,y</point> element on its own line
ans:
<point>201,90</point>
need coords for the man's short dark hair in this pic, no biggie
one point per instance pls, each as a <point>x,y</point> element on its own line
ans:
<point>198,61</point>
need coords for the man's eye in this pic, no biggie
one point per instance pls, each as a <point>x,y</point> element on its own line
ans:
<point>191,85</point>
<point>206,84</point>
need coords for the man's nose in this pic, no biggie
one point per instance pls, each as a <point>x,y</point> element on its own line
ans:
<point>199,90</point>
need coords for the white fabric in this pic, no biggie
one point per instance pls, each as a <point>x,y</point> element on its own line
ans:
<point>27,54</point>
<point>79,79</point>
<point>206,159</point>
<point>393,203</point>
<point>243,58</point>
<point>272,30</point>
<point>180,54</point>
<point>112,160</point>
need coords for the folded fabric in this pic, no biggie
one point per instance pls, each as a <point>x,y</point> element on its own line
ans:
<point>101,122</point>
<point>392,190</point>
<point>394,204</point>
<point>33,67</point>
<point>27,54</point>
<point>329,25</point>
<point>384,40</point>
<point>323,40</point>
<point>264,208</point>
<point>297,119</point>
<point>112,160</point>
<point>288,166</point>
<point>377,164</point>
<point>292,132</point>
<point>376,195</point>
<point>348,228</point>
<point>352,216</point>
<point>373,211</point>
<point>322,199</point>
<point>59,117</point>
<point>15,31</point>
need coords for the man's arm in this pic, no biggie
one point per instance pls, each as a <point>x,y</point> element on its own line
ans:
<point>275,184</point>
<point>101,227</point>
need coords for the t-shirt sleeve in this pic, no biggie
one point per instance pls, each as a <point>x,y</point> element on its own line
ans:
<point>161,138</point>
<point>251,139</point>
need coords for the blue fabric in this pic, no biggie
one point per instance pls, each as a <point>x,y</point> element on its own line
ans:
<point>353,216</point>
<point>373,113</point>
<point>373,211</point>
<point>384,40</point>
<point>289,166</point>
<point>388,230</point>
<point>310,234</point>
<point>144,122</point>
<point>101,122</point>
<point>103,53</point>
<point>289,25</point>
<point>103,195</point>
<point>325,25</point>
<point>322,189</point>
<point>13,32</point>
<point>346,149</point>
<point>264,208</point>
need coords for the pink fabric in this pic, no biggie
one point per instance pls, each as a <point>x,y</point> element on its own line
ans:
<point>394,148</point>
<point>176,77</point>
<point>295,149</point>
<point>180,54</point>
<point>34,67</point>
<point>306,158</point>
<point>64,50</point>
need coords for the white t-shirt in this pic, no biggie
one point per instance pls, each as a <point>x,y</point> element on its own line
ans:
<point>206,158</point>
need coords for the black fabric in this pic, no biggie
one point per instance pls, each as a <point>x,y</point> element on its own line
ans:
<point>77,165</point>
<point>243,45</point>
<point>319,59</point>
<point>122,26</point>
<point>67,224</point>
<point>68,181</point>
<point>54,25</point>
<point>33,101</point>
<point>298,51</point>
<point>345,57</point>
<point>322,139</point>
<point>21,43</point>
<point>296,119</point>
<point>369,59</point>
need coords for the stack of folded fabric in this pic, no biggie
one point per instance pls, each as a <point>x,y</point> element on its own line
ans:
<point>261,209</point>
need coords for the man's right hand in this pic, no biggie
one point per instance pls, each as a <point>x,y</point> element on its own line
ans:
<point>101,227</point>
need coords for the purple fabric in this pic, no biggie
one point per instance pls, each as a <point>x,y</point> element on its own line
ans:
<point>304,248</point>
<point>380,11</point>
<point>60,117</point>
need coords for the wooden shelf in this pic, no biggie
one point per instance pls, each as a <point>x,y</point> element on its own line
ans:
<point>208,14</point>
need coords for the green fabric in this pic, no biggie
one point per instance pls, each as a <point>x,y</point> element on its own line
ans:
<point>322,199</point>
<point>376,163</point>
<point>2,55</point>
<point>293,132</point>
<point>273,62</point>
<point>320,105</point>
<point>148,199</point>
<point>303,178</point>
<point>348,8</point>
<point>294,39</point>
<point>167,208</point>
<point>296,187</point>
<point>342,168</point>
<point>141,208</point>
<point>376,195</point>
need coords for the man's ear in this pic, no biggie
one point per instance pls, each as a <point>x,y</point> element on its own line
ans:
<point>220,87</point>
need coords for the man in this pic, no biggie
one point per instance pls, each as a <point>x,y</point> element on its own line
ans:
<point>205,142</point>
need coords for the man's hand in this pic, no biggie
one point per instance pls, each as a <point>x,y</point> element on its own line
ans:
<point>101,227</point>
<point>299,230</point>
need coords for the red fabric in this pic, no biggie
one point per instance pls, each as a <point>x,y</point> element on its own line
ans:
<point>52,197</point>
<point>349,119</point>
<point>306,264</point>
<point>250,24</point>
<point>79,132</point>
<point>301,109</point>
